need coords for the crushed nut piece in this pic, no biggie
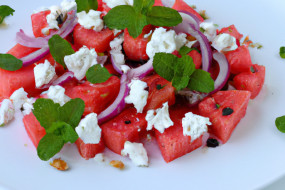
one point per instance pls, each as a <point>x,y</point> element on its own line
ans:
<point>59,164</point>
<point>117,164</point>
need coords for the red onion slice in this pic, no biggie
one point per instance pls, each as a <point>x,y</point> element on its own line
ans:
<point>35,56</point>
<point>28,41</point>
<point>142,71</point>
<point>118,105</point>
<point>59,81</point>
<point>102,59</point>
<point>188,18</point>
<point>116,65</point>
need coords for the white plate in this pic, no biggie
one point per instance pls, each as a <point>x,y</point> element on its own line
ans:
<point>252,158</point>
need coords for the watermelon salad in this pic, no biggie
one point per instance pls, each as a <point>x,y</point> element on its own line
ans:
<point>111,74</point>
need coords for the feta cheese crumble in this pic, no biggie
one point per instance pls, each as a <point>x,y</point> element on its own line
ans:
<point>159,118</point>
<point>44,73</point>
<point>210,30</point>
<point>165,41</point>
<point>113,3</point>
<point>67,6</point>
<point>28,106</point>
<point>136,152</point>
<point>138,95</point>
<point>19,97</point>
<point>88,129</point>
<point>90,20</point>
<point>81,61</point>
<point>194,125</point>
<point>224,42</point>
<point>56,93</point>
<point>7,112</point>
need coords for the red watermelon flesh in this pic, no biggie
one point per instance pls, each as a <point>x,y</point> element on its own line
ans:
<point>172,143</point>
<point>127,126</point>
<point>231,30</point>
<point>88,151</point>
<point>212,107</point>
<point>251,81</point>
<point>180,5</point>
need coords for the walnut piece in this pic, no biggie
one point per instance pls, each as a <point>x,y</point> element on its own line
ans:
<point>59,164</point>
<point>117,164</point>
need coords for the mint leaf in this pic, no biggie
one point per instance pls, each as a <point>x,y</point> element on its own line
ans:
<point>136,28</point>
<point>184,68</point>
<point>49,145</point>
<point>86,5</point>
<point>5,11</point>
<point>163,64</point>
<point>10,63</point>
<point>280,124</point>
<point>163,16</point>
<point>282,52</point>
<point>143,6</point>
<point>59,48</point>
<point>97,74</point>
<point>46,112</point>
<point>184,50</point>
<point>72,111</point>
<point>201,81</point>
<point>63,130</point>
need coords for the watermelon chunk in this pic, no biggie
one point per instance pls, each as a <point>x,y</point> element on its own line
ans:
<point>34,129</point>
<point>172,143</point>
<point>127,126</point>
<point>252,81</point>
<point>180,5</point>
<point>231,30</point>
<point>39,22</point>
<point>158,3</point>
<point>214,107</point>
<point>88,151</point>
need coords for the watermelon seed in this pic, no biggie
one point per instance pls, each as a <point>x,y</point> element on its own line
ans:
<point>128,122</point>
<point>227,111</point>
<point>252,69</point>
<point>60,18</point>
<point>213,143</point>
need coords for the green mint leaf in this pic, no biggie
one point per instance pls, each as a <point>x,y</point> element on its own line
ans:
<point>5,11</point>
<point>46,112</point>
<point>49,145</point>
<point>86,5</point>
<point>59,48</point>
<point>97,74</point>
<point>136,28</point>
<point>10,63</point>
<point>282,52</point>
<point>72,111</point>
<point>163,16</point>
<point>184,68</point>
<point>201,81</point>
<point>280,124</point>
<point>120,17</point>
<point>143,6</point>
<point>163,64</point>
<point>63,130</point>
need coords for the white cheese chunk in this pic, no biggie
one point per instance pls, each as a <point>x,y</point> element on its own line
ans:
<point>210,30</point>
<point>7,112</point>
<point>28,106</point>
<point>81,61</point>
<point>90,20</point>
<point>138,95</point>
<point>194,125</point>
<point>136,152</point>
<point>44,73</point>
<point>19,97</point>
<point>159,118</point>
<point>114,3</point>
<point>164,41</point>
<point>190,43</point>
<point>224,42</point>
<point>56,93</point>
<point>88,129</point>
<point>67,6</point>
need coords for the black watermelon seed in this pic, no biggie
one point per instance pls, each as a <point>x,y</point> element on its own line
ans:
<point>252,69</point>
<point>128,122</point>
<point>60,18</point>
<point>227,111</point>
<point>213,143</point>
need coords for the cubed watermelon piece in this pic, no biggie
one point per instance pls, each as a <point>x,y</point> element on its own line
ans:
<point>100,41</point>
<point>158,3</point>
<point>239,59</point>
<point>197,58</point>
<point>127,126</point>
<point>231,30</point>
<point>252,81</point>
<point>97,97</point>
<point>160,91</point>
<point>34,129</point>
<point>218,108</point>
<point>181,5</point>
<point>88,151</point>
<point>39,22</point>
<point>172,143</point>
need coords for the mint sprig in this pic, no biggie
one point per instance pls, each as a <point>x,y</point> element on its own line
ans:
<point>280,123</point>
<point>182,73</point>
<point>184,50</point>
<point>10,63</point>
<point>5,11</point>
<point>59,48</point>
<point>59,123</point>
<point>86,5</point>
<point>97,74</point>
<point>282,52</point>
<point>134,18</point>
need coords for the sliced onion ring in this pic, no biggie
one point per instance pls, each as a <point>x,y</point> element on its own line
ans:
<point>116,65</point>
<point>188,18</point>
<point>35,56</point>
<point>102,59</point>
<point>60,80</point>
<point>28,41</point>
<point>142,71</point>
